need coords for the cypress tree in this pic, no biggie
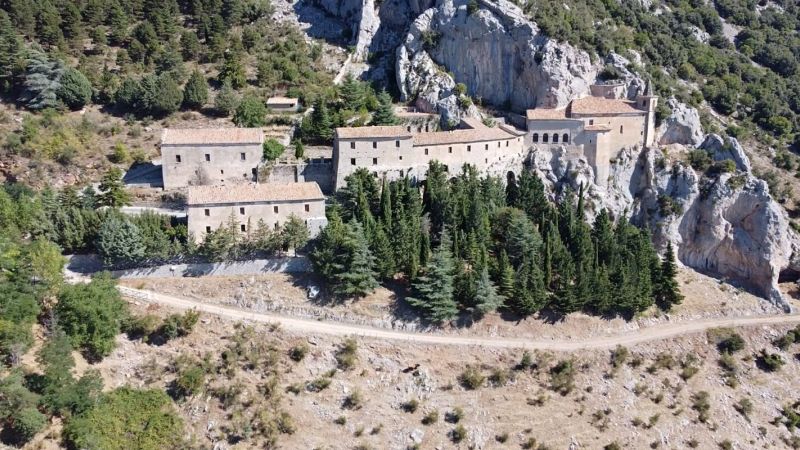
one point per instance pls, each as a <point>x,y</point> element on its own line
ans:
<point>355,276</point>
<point>668,293</point>
<point>386,206</point>
<point>433,291</point>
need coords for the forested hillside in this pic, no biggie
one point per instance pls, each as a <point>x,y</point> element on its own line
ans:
<point>739,55</point>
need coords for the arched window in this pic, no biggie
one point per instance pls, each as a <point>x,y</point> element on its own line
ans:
<point>535,137</point>
<point>555,138</point>
<point>565,138</point>
<point>545,137</point>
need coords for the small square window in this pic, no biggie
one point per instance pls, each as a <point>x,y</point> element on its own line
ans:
<point>241,210</point>
<point>401,157</point>
<point>177,158</point>
<point>374,161</point>
<point>207,212</point>
<point>208,229</point>
<point>243,227</point>
<point>374,144</point>
<point>352,145</point>
<point>352,161</point>
<point>275,209</point>
<point>208,157</point>
<point>591,121</point>
<point>243,156</point>
<point>307,207</point>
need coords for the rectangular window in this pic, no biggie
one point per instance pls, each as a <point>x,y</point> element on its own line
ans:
<point>307,207</point>
<point>506,143</point>
<point>243,156</point>
<point>177,158</point>
<point>207,212</point>
<point>374,161</point>
<point>352,161</point>
<point>469,148</point>
<point>591,121</point>
<point>486,147</point>
<point>401,157</point>
<point>208,157</point>
<point>498,143</point>
<point>352,145</point>
<point>397,143</point>
<point>449,149</point>
<point>243,227</point>
<point>208,229</point>
<point>275,209</point>
<point>374,144</point>
<point>277,226</point>
<point>426,151</point>
<point>241,210</point>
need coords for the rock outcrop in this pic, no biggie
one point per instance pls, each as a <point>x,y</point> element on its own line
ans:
<point>634,84</point>
<point>499,54</point>
<point>721,149</point>
<point>681,127</point>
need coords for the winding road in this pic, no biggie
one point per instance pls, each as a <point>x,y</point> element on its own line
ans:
<point>652,333</point>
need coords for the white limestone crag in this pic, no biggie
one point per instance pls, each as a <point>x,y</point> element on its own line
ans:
<point>499,54</point>
<point>634,84</point>
<point>721,149</point>
<point>681,127</point>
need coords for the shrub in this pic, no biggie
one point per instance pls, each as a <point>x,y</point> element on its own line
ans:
<point>298,352</point>
<point>26,423</point>
<point>724,166</point>
<point>618,356</point>
<point>410,406</point>
<point>729,369</point>
<point>688,367</point>
<point>562,377</point>
<point>226,101</point>
<point>502,437</point>
<point>75,90</point>
<point>499,377</point>
<point>744,407</point>
<point>455,415</point>
<point>318,385</point>
<point>699,160</point>
<point>251,112</point>
<point>353,401</point>
<point>189,381</point>
<point>346,356</point>
<point>471,378</point>
<point>728,341</point>
<point>701,404</point>
<point>769,362</point>
<point>341,420</point>
<point>272,149</point>
<point>526,362</point>
<point>430,418</point>
<point>458,434</point>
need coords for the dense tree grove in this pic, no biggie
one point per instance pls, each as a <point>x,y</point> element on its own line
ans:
<point>471,244</point>
<point>141,53</point>
<point>767,96</point>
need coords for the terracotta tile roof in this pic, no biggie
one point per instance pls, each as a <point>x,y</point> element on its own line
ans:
<point>546,114</point>
<point>462,136</point>
<point>211,136</point>
<point>599,105</point>
<point>601,128</point>
<point>372,132</point>
<point>253,192</point>
<point>473,123</point>
<point>281,101</point>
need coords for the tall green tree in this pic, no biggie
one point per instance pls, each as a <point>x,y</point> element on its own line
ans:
<point>195,93</point>
<point>487,299</point>
<point>384,115</point>
<point>352,93</point>
<point>227,100</point>
<point>355,275</point>
<point>232,71</point>
<point>112,190</point>
<point>251,112</point>
<point>295,233</point>
<point>433,291</point>
<point>668,292</point>
<point>75,90</point>
<point>119,242</point>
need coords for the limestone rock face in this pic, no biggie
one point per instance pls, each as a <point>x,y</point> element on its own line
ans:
<point>497,53</point>
<point>681,127</point>
<point>721,149</point>
<point>634,84</point>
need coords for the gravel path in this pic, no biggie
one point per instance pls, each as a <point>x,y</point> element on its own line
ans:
<point>656,332</point>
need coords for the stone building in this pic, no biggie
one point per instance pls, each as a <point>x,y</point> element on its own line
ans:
<point>599,126</point>
<point>210,156</point>
<point>283,104</point>
<point>396,151</point>
<point>210,207</point>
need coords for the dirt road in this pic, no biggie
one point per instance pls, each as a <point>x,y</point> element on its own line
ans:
<point>653,333</point>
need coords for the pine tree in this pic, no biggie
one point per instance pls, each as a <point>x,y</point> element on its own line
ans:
<point>529,290</point>
<point>384,115</point>
<point>227,100</point>
<point>487,299</point>
<point>351,93</point>
<point>75,90</point>
<point>433,291</point>
<point>120,242</point>
<point>668,292</point>
<point>512,192</point>
<point>505,276</point>
<point>321,123</point>
<point>195,93</point>
<point>295,233</point>
<point>328,247</point>
<point>232,71</point>
<point>10,51</point>
<point>356,274</point>
<point>386,206</point>
<point>113,193</point>
<point>384,255</point>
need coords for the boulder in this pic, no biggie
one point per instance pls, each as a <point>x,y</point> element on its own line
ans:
<point>729,148</point>
<point>681,127</point>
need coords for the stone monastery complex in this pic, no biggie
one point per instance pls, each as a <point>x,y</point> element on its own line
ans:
<point>219,168</point>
